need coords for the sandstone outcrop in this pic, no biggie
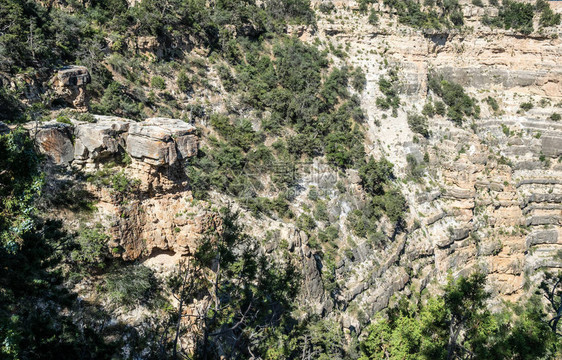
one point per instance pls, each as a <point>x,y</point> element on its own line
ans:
<point>69,85</point>
<point>157,216</point>
<point>156,142</point>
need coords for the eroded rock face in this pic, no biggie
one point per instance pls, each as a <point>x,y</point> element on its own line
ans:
<point>157,142</point>
<point>54,140</point>
<point>170,222</point>
<point>159,215</point>
<point>160,141</point>
<point>69,84</point>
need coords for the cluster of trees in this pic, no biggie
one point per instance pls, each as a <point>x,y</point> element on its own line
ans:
<point>519,16</point>
<point>37,37</point>
<point>383,197</point>
<point>458,325</point>
<point>459,104</point>
<point>389,88</point>
<point>436,15</point>
<point>299,91</point>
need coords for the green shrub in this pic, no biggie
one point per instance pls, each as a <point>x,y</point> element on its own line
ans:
<point>158,83</point>
<point>418,124</point>
<point>415,169</point>
<point>228,80</point>
<point>92,249</point>
<point>131,285</point>
<point>478,3</point>
<point>321,211</point>
<point>373,18</point>
<point>457,18</point>
<point>358,79</point>
<point>375,175</point>
<point>506,130</point>
<point>313,193</point>
<point>548,17</point>
<point>459,103</point>
<point>306,222</point>
<point>241,134</point>
<point>293,11</point>
<point>440,108</point>
<point>517,16</point>
<point>116,100</point>
<point>526,106</point>
<point>492,103</point>
<point>184,83</point>
<point>393,203</point>
<point>388,86</point>
<point>121,183</point>
<point>555,117</point>
<point>63,119</point>
<point>326,7</point>
<point>360,224</point>
<point>329,234</point>
<point>428,110</point>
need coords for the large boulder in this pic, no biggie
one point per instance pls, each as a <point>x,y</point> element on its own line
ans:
<point>69,85</point>
<point>101,139</point>
<point>54,140</point>
<point>160,141</point>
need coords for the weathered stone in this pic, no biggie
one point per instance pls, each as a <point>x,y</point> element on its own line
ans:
<point>353,176</point>
<point>53,139</point>
<point>69,84</point>
<point>542,237</point>
<point>458,193</point>
<point>159,140</point>
<point>97,139</point>
<point>543,220</point>
<point>432,219</point>
<point>551,145</point>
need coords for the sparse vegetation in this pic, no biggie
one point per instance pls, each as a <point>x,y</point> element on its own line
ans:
<point>453,95</point>
<point>418,124</point>
<point>526,106</point>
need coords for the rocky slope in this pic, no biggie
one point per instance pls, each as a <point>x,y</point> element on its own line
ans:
<point>490,196</point>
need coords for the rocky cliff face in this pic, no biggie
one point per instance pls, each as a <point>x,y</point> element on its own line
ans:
<point>158,214</point>
<point>490,196</point>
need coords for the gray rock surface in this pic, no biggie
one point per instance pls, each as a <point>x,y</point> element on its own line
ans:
<point>69,85</point>
<point>161,141</point>
<point>156,141</point>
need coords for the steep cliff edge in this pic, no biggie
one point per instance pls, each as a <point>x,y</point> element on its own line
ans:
<point>485,194</point>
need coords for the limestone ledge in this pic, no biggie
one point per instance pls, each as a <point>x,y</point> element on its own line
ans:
<point>156,141</point>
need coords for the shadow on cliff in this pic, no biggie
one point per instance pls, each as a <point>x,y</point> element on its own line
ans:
<point>40,318</point>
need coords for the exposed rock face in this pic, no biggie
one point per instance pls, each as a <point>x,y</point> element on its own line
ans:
<point>491,197</point>
<point>160,141</point>
<point>159,215</point>
<point>69,84</point>
<point>54,140</point>
<point>170,222</point>
<point>145,44</point>
<point>94,141</point>
<point>156,142</point>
